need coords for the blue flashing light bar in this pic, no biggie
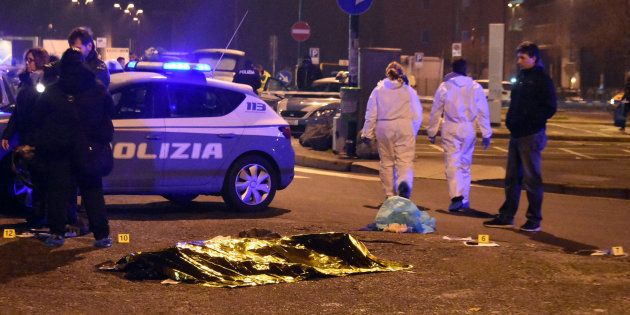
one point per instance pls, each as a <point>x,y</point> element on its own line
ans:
<point>176,66</point>
<point>203,67</point>
<point>132,64</point>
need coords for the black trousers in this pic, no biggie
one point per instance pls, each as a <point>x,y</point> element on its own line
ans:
<point>62,182</point>
<point>524,169</point>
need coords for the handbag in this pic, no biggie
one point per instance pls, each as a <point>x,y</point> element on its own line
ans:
<point>94,159</point>
<point>91,158</point>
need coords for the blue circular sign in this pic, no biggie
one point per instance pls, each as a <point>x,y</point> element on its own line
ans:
<point>354,7</point>
<point>284,76</point>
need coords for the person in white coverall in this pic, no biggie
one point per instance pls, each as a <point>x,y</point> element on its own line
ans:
<point>462,102</point>
<point>393,117</point>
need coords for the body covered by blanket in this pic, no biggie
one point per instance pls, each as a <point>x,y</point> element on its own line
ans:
<point>251,261</point>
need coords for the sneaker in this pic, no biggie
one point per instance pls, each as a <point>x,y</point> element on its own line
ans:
<point>456,205</point>
<point>104,242</point>
<point>54,241</point>
<point>498,223</point>
<point>404,190</point>
<point>530,226</point>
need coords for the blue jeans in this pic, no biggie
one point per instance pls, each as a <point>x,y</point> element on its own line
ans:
<point>523,169</point>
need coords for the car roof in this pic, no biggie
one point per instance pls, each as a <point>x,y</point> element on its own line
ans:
<point>220,50</point>
<point>326,80</point>
<point>124,78</point>
<point>486,81</point>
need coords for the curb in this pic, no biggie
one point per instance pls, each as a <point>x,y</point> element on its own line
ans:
<point>558,188</point>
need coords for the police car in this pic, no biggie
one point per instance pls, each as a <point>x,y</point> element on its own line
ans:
<point>179,134</point>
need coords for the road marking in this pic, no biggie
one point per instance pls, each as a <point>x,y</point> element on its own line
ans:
<point>437,147</point>
<point>581,130</point>
<point>301,177</point>
<point>501,149</point>
<point>578,154</point>
<point>627,151</point>
<point>336,174</point>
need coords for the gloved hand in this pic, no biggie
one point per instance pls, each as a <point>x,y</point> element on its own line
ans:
<point>432,139</point>
<point>485,142</point>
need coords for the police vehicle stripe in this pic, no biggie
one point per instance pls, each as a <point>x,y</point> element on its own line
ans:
<point>254,131</point>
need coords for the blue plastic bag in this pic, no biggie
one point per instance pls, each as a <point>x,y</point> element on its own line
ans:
<point>397,211</point>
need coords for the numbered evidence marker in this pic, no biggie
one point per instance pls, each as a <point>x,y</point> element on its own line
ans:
<point>9,233</point>
<point>483,238</point>
<point>123,238</point>
<point>616,251</point>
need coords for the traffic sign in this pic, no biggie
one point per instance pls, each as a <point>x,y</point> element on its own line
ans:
<point>313,52</point>
<point>300,31</point>
<point>354,7</point>
<point>284,76</point>
<point>457,49</point>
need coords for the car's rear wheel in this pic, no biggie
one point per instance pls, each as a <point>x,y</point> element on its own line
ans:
<point>182,199</point>
<point>250,184</point>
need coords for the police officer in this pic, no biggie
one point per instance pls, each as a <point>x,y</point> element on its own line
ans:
<point>248,75</point>
<point>82,39</point>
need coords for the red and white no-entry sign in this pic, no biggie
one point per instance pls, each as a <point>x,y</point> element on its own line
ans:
<point>300,31</point>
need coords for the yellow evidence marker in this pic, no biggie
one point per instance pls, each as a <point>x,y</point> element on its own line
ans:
<point>123,238</point>
<point>616,251</point>
<point>9,233</point>
<point>483,238</point>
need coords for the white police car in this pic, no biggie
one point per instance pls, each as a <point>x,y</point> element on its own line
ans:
<point>180,135</point>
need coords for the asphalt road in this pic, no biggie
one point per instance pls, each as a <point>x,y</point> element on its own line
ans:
<point>555,150</point>
<point>528,273</point>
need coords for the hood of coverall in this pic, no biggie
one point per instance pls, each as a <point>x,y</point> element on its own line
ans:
<point>392,84</point>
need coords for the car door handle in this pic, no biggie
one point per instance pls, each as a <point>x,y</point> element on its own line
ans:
<point>227,135</point>
<point>151,137</point>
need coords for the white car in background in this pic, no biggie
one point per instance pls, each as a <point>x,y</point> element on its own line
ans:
<point>505,92</point>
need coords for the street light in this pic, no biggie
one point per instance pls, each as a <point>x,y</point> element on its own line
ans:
<point>117,5</point>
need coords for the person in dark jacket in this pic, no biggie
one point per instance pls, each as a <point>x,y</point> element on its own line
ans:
<point>533,102</point>
<point>72,112</point>
<point>625,102</point>
<point>248,75</point>
<point>307,73</point>
<point>20,122</point>
<point>82,39</point>
<point>21,125</point>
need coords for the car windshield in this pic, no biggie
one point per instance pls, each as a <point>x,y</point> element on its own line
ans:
<point>228,63</point>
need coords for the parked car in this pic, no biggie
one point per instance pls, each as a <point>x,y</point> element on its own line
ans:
<point>298,106</point>
<point>180,135</point>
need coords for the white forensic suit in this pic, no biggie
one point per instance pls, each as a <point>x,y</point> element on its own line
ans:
<point>462,102</point>
<point>393,116</point>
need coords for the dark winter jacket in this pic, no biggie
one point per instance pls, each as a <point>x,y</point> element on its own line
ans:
<point>96,65</point>
<point>306,74</point>
<point>532,103</point>
<point>75,108</point>
<point>249,76</point>
<point>21,122</point>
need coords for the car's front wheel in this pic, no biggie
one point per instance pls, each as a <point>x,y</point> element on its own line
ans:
<point>250,184</point>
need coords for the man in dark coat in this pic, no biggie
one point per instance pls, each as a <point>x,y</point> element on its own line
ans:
<point>533,102</point>
<point>71,113</point>
<point>307,73</point>
<point>82,39</point>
